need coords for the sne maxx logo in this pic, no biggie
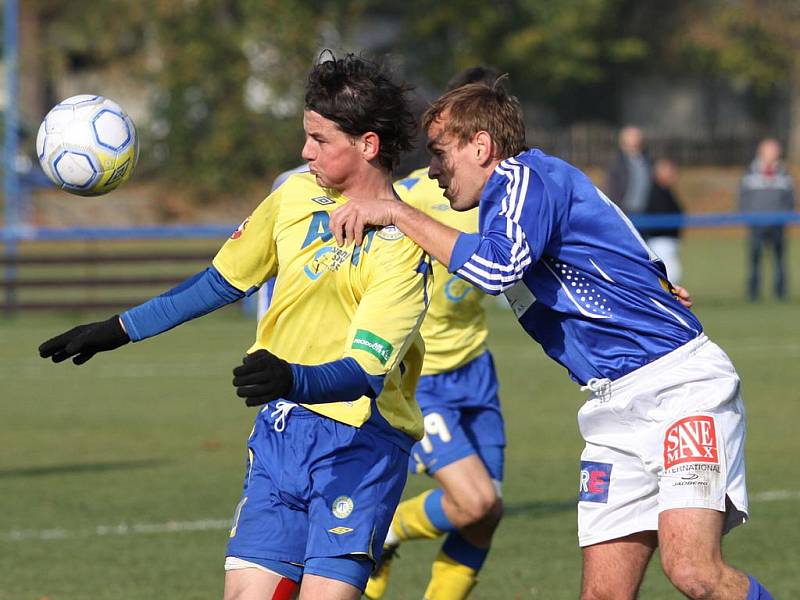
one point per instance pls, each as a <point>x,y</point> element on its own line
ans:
<point>693,439</point>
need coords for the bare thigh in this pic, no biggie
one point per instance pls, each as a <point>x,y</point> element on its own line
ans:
<point>613,570</point>
<point>315,587</point>
<point>250,584</point>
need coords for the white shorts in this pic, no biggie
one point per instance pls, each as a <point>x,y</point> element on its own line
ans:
<point>668,435</point>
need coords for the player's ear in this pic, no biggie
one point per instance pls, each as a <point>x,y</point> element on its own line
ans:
<point>370,145</point>
<point>484,147</point>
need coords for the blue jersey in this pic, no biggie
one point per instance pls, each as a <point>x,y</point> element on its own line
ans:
<point>578,275</point>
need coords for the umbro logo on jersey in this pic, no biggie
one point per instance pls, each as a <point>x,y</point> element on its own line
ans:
<point>323,200</point>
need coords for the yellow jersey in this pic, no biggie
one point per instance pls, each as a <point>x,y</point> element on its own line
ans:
<point>366,302</point>
<point>455,328</point>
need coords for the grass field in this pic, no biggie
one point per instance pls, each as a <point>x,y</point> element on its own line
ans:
<point>118,478</point>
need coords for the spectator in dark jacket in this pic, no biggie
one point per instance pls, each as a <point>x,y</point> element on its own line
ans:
<point>665,241</point>
<point>629,174</point>
<point>767,187</point>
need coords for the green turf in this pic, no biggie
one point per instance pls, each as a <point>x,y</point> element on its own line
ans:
<point>91,457</point>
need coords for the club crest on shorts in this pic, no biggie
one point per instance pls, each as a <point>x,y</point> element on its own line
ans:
<point>342,507</point>
<point>691,440</point>
<point>595,481</point>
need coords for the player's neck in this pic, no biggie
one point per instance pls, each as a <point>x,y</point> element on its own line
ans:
<point>370,184</point>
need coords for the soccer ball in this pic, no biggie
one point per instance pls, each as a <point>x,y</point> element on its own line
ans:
<point>87,145</point>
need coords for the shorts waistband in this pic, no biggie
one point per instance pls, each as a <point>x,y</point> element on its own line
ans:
<point>298,411</point>
<point>675,357</point>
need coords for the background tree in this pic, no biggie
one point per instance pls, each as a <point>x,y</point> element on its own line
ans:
<point>224,78</point>
<point>751,43</point>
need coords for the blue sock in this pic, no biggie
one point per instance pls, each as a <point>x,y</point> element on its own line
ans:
<point>460,550</point>
<point>757,591</point>
<point>435,511</point>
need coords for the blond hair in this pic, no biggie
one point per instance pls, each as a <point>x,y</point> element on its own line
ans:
<point>479,107</point>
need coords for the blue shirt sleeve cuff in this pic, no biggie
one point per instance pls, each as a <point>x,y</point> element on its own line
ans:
<point>339,381</point>
<point>466,245</point>
<point>130,327</point>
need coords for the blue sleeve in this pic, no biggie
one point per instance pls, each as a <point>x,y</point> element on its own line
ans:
<point>517,218</point>
<point>339,381</point>
<point>199,295</point>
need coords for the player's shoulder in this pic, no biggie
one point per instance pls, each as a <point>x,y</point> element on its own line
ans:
<point>421,192</point>
<point>535,175</point>
<point>299,182</point>
<point>281,179</point>
<point>538,164</point>
<point>301,191</point>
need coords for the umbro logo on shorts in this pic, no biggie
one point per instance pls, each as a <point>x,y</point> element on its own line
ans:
<point>692,439</point>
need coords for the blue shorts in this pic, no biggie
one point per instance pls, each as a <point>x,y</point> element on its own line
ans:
<point>316,490</point>
<point>462,418</point>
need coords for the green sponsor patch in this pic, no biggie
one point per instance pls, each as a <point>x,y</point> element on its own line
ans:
<point>375,345</point>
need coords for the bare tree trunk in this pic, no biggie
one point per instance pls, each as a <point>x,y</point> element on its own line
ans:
<point>32,101</point>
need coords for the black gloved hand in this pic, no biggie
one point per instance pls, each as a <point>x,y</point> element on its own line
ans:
<point>84,341</point>
<point>262,377</point>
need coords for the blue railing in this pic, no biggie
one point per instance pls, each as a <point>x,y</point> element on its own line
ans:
<point>222,231</point>
<point>155,232</point>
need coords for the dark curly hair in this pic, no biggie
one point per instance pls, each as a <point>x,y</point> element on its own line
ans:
<point>359,96</point>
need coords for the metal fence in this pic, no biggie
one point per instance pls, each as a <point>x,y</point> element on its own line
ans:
<point>100,268</point>
<point>595,145</point>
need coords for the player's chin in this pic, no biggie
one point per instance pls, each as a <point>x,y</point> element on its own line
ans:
<point>323,181</point>
<point>456,203</point>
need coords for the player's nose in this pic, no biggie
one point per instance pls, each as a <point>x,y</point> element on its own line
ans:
<point>307,153</point>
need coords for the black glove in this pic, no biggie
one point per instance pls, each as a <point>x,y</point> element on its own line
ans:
<point>84,341</point>
<point>262,377</point>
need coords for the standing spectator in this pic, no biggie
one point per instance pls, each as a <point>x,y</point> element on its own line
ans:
<point>766,187</point>
<point>664,241</point>
<point>629,175</point>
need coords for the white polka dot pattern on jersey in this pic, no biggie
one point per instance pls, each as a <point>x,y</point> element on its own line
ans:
<point>580,289</point>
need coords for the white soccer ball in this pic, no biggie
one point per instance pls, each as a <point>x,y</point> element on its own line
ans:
<point>87,145</point>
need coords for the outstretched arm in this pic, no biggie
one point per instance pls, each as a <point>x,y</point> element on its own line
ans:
<point>349,221</point>
<point>196,296</point>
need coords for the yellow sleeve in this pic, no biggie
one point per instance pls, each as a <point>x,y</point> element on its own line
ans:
<point>392,308</point>
<point>249,257</point>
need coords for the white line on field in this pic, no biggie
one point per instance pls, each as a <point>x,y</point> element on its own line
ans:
<point>21,535</point>
<point>776,495</point>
